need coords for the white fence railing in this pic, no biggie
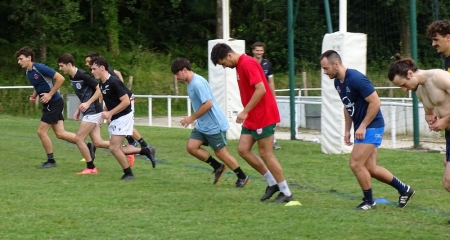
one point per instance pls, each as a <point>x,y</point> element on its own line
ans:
<point>389,105</point>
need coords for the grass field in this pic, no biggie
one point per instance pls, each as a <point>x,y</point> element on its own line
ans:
<point>177,199</point>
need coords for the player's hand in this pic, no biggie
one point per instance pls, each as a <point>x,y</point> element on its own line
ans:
<point>185,121</point>
<point>431,119</point>
<point>76,115</point>
<point>360,133</point>
<point>347,139</point>
<point>45,97</point>
<point>241,117</point>
<point>83,107</point>
<point>32,99</point>
<point>105,115</point>
<point>439,125</point>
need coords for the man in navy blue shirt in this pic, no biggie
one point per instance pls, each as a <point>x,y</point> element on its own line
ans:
<point>46,83</point>
<point>362,108</point>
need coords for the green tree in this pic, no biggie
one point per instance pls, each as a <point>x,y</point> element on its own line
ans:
<point>111,15</point>
<point>44,22</point>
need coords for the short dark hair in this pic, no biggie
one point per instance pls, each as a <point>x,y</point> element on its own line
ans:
<point>180,63</point>
<point>220,51</point>
<point>99,61</point>
<point>400,67</point>
<point>26,51</point>
<point>92,55</point>
<point>332,56</point>
<point>441,27</point>
<point>66,58</point>
<point>258,44</point>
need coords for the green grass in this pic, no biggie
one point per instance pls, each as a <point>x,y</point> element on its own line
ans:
<point>177,200</point>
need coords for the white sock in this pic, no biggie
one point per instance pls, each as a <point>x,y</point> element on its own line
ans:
<point>269,178</point>
<point>284,188</point>
<point>274,140</point>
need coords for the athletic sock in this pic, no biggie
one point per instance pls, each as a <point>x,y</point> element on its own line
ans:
<point>239,173</point>
<point>399,185</point>
<point>284,188</point>
<point>368,195</point>
<point>213,162</point>
<point>269,178</point>
<point>50,158</point>
<point>128,171</point>
<point>143,143</point>
<point>130,139</point>
<point>90,165</point>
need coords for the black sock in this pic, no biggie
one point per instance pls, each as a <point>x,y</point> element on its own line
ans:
<point>130,139</point>
<point>127,171</point>
<point>50,158</point>
<point>239,173</point>
<point>143,143</point>
<point>90,165</point>
<point>368,195</point>
<point>213,162</point>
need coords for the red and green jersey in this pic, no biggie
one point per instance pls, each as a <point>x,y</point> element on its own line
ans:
<point>265,113</point>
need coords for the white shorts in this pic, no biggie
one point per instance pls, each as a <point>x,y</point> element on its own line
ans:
<point>132,102</point>
<point>93,118</point>
<point>122,126</point>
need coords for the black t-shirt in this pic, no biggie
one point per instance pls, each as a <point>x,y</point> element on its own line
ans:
<point>267,68</point>
<point>112,90</point>
<point>111,71</point>
<point>447,64</point>
<point>84,86</point>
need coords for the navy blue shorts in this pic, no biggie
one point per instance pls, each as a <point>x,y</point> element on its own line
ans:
<point>447,146</point>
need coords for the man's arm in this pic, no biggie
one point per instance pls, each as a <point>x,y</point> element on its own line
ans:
<point>260,90</point>
<point>348,121</point>
<point>372,109</point>
<point>124,103</point>
<point>272,84</point>
<point>205,107</point>
<point>119,74</point>
<point>59,80</point>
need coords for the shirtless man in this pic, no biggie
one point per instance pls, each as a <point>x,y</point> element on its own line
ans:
<point>433,90</point>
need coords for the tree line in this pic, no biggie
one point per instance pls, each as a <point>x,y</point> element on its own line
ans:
<point>183,27</point>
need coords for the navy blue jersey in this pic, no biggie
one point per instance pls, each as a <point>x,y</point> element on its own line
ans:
<point>353,91</point>
<point>111,71</point>
<point>267,68</point>
<point>41,77</point>
<point>84,86</point>
<point>112,90</point>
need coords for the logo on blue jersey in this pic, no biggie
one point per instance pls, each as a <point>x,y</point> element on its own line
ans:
<point>349,106</point>
<point>78,85</point>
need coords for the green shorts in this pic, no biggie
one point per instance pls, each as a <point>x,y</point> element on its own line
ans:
<point>215,141</point>
<point>260,132</point>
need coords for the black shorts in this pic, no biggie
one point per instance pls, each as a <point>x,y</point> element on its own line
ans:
<point>52,112</point>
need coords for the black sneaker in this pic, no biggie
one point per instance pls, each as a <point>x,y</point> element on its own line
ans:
<point>218,173</point>
<point>240,183</point>
<point>270,191</point>
<point>282,198</point>
<point>366,205</point>
<point>127,177</point>
<point>403,199</point>
<point>48,165</point>
<point>150,153</point>
<point>92,149</point>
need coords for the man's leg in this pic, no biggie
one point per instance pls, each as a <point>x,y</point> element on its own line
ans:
<point>194,148</point>
<point>358,158</point>
<point>231,162</point>
<point>42,132</point>
<point>86,150</point>
<point>266,152</point>
<point>385,176</point>
<point>61,133</point>
<point>115,147</point>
